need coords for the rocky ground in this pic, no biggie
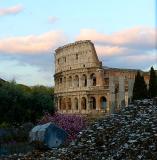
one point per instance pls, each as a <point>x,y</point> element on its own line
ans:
<point>128,135</point>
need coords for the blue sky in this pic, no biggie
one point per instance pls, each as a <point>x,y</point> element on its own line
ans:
<point>123,32</point>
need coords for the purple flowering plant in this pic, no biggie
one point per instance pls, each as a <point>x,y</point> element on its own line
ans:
<point>71,123</point>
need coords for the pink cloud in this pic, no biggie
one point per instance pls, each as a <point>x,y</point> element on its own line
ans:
<point>139,37</point>
<point>31,44</point>
<point>110,50</point>
<point>11,10</point>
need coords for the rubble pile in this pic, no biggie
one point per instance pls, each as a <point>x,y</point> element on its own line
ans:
<point>128,134</point>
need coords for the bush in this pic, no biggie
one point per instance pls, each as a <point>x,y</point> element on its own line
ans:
<point>72,124</point>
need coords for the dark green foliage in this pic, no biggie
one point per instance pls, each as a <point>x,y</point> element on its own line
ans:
<point>152,83</point>
<point>19,103</point>
<point>140,87</point>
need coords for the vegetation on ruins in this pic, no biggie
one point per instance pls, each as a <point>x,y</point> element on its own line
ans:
<point>20,103</point>
<point>140,87</point>
<point>152,83</point>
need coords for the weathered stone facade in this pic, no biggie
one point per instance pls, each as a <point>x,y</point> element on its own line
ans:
<point>83,85</point>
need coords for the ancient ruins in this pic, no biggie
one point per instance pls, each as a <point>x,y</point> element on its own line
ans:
<point>84,85</point>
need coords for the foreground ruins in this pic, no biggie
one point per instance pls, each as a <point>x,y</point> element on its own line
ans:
<point>129,134</point>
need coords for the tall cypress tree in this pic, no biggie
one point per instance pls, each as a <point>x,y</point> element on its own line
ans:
<point>152,83</point>
<point>140,87</point>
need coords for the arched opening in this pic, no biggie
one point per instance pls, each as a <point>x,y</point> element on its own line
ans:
<point>116,95</point>
<point>76,103</point>
<point>63,104</point>
<point>69,103</point>
<point>64,80</point>
<point>103,102</point>
<point>83,103</point>
<point>76,81</point>
<point>60,80</point>
<point>93,103</point>
<point>84,80</point>
<point>93,79</point>
<point>70,81</point>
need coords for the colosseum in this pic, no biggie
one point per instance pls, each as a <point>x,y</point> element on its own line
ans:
<point>84,85</point>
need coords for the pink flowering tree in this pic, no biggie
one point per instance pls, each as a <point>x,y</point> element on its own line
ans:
<point>72,124</point>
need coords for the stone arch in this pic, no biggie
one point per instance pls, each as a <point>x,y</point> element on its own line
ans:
<point>116,94</point>
<point>83,103</point>
<point>76,81</point>
<point>92,102</point>
<point>70,81</point>
<point>69,103</point>
<point>103,102</point>
<point>57,81</point>
<point>60,80</point>
<point>93,79</point>
<point>84,80</point>
<point>63,104</point>
<point>64,80</point>
<point>76,103</point>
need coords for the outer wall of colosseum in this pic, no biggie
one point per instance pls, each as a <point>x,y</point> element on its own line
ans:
<point>83,85</point>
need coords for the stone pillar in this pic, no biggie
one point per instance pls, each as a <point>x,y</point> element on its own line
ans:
<point>126,98</point>
<point>79,104</point>
<point>99,77</point>
<point>88,104</point>
<point>121,97</point>
<point>108,103</point>
<point>112,95</point>
<point>88,81</point>
<point>130,88</point>
<point>97,103</point>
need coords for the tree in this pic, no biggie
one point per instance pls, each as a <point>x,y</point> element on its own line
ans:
<point>152,83</point>
<point>140,87</point>
<point>20,103</point>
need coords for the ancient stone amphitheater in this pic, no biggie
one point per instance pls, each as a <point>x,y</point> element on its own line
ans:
<point>84,85</point>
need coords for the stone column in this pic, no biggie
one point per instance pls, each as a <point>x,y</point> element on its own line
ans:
<point>88,104</point>
<point>112,95</point>
<point>99,77</point>
<point>97,103</point>
<point>88,81</point>
<point>121,98</point>
<point>79,104</point>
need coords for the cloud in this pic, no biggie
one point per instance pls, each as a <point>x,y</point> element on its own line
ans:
<point>110,50</point>
<point>32,44</point>
<point>53,19</point>
<point>24,73</point>
<point>11,10</point>
<point>141,38</point>
<point>131,48</point>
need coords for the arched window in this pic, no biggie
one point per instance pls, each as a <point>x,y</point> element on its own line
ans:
<point>93,103</point>
<point>60,80</point>
<point>103,102</point>
<point>83,103</point>
<point>63,104</point>
<point>76,103</point>
<point>84,80</point>
<point>76,81</point>
<point>69,103</point>
<point>93,79</point>
<point>76,56</point>
<point>64,81</point>
<point>70,81</point>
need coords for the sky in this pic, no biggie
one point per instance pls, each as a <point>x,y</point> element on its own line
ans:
<point>123,31</point>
